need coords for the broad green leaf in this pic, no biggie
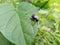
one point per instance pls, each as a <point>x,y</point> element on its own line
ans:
<point>16,25</point>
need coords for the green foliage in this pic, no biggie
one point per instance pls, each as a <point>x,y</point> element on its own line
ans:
<point>49,29</point>
<point>41,3</point>
<point>18,28</point>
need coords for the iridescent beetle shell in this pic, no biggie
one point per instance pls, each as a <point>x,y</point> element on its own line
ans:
<point>34,18</point>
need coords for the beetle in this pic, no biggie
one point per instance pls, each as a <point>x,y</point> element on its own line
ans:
<point>34,18</point>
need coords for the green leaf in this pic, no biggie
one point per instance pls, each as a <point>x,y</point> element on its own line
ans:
<point>16,25</point>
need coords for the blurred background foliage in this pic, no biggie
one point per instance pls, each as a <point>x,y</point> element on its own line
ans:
<point>49,20</point>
